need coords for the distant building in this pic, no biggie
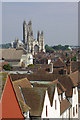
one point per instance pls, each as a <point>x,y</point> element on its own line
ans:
<point>32,45</point>
<point>27,59</point>
<point>16,57</point>
<point>29,44</point>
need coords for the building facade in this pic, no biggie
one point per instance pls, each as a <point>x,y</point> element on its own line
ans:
<point>30,44</point>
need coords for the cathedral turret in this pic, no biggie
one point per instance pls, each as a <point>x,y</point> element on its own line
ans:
<point>42,42</point>
<point>38,36</point>
<point>29,26</point>
<point>24,32</point>
<point>41,33</point>
<point>42,37</point>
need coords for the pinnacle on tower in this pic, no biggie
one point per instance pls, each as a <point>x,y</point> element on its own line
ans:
<point>38,33</point>
<point>29,23</point>
<point>24,22</point>
<point>41,32</point>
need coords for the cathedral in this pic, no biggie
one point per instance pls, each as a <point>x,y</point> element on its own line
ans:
<point>32,45</point>
<point>29,44</point>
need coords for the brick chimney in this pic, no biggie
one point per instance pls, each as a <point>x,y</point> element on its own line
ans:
<point>68,65</point>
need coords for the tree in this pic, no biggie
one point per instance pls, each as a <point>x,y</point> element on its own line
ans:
<point>49,49</point>
<point>7,67</point>
<point>74,58</point>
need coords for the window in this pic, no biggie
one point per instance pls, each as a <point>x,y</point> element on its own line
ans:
<point>76,109</point>
<point>46,111</point>
<point>55,104</point>
<point>73,111</point>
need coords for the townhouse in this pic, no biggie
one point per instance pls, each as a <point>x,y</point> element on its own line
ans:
<point>55,99</point>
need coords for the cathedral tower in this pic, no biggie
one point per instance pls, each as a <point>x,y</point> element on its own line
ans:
<point>42,42</point>
<point>38,36</point>
<point>29,26</point>
<point>24,32</point>
<point>31,45</point>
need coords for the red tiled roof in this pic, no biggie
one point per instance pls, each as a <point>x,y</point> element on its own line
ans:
<point>10,107</point>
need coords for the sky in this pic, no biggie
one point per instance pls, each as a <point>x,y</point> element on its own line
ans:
<point>58,20</point>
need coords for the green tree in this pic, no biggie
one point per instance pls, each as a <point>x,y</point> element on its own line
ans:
<point>74,58</point>
<point>7,67</point>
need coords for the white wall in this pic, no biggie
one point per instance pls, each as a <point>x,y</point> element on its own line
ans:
<point>46,102</point>
<point>52,113</point>
<point>74,102</point>
<point>49,61</point>
<point>65,114</point>
<point>27,59</point>
<point>79,111</point>
<point>26,115</point>
<point>56,113</point>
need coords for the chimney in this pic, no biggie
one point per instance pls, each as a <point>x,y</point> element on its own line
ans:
<point>68,64</point>
<point>51,67</point>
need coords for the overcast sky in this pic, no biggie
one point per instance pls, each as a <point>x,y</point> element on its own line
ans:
<point>58,20</point>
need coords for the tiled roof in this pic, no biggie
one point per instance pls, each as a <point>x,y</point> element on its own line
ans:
<point>17,77</point>
<point>51,89</point>
<point>35,77</point>
<point>66,81</point>
<point>9,102</point>
<point>24,107</point>
<point>59,86</point>
<point>3,77</point>
<point>75,66</point>
<point>34,98</point>
<point>41,71</point>
<point>64,105</point>
<point>11,54</point>
<point>75,76</point>
<point>20,83</point>
<point>59,63</point>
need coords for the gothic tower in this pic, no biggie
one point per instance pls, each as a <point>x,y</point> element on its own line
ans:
<point>40,39</point>
<point>24,32</point>
<point>30,44</point>
<point>29,26</point>
<point>42,42</point>
<point>38,36</point>
<point>30,37</point>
